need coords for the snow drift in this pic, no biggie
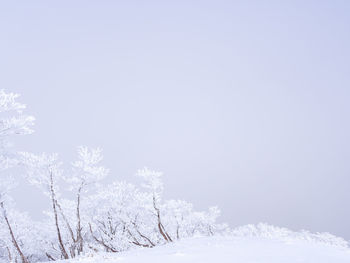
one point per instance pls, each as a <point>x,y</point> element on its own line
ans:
<point>260,243</point>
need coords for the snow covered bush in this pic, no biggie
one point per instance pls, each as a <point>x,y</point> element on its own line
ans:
<point>262,230</point>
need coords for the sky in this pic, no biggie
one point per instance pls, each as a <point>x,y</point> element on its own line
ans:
<point>242,104</point>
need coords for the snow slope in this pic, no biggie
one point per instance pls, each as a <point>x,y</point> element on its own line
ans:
<point>249,244</point>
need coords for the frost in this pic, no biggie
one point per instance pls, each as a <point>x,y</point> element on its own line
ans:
<point>272,232</point>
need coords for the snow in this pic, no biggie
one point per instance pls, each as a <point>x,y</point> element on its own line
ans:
<point>222,249</point>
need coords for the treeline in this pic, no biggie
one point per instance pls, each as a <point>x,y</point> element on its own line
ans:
<point>100,217</point>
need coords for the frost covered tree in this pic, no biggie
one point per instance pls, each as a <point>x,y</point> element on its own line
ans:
<point>154,185</point>
<point>179,218</point>
<point>9,237</point>
<point>12,122</point>
<point>112,218</point>
<point>87,173</point>
<point>114,221</point>
<point>126,216</point>
<point>44,171</point>
<point>24,240</point>
<point>115,217</point>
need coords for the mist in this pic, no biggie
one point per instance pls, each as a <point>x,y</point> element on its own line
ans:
<point>241,104</point>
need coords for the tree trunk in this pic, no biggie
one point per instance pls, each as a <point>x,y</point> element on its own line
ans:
<point>13,238</point>
<point>161,228</point>
<point>59,236</point>
<point>79,235</point>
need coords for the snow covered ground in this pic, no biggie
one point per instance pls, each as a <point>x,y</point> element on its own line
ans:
<point>249,244</point>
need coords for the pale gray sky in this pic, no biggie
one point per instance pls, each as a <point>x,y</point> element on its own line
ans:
<point>242,104</point>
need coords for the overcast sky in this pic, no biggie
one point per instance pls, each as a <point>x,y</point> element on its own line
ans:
<point>242,104</point>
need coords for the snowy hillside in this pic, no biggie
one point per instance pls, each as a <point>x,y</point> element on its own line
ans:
<point>262,244</point>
